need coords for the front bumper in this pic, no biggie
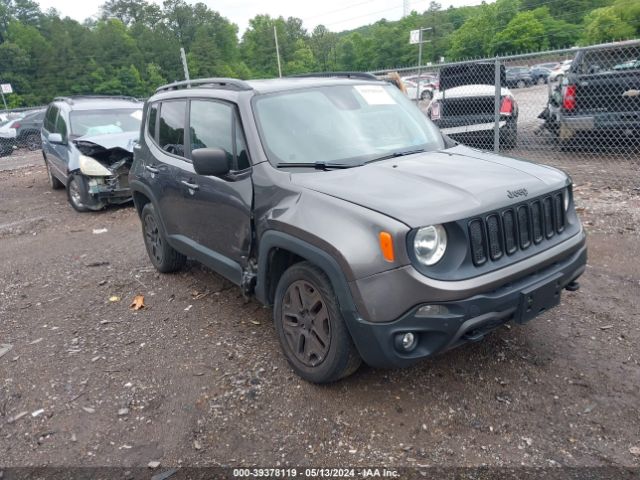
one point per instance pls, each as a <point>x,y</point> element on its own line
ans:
<point>110,189</point>
<point>468,319</point>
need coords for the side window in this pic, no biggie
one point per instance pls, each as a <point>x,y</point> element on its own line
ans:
<point>50,118</point>
<point>61,126</point>
<point>211,126</point>
<point>214,125</point>
<point>172,116</point>
<point>152,117</point>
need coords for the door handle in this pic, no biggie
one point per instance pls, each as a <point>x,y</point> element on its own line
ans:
<point>151,169</point>
<point>190,186</point>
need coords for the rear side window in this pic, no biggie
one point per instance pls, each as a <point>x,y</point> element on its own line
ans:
<point>50,118</point>
<point>152,118</point>
<point>171,134</point>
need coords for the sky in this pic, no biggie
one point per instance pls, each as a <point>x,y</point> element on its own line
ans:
<point>336,15</point>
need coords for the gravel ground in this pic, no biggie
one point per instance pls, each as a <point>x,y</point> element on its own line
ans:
<point>197,377</point>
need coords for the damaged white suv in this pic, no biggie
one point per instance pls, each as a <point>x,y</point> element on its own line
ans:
<point>87,145</point>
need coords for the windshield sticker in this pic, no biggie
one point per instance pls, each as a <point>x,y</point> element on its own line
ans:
<point>375,95</point>
<point>137,115</point>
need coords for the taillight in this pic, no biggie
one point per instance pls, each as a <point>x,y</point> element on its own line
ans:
<point>434,111</point>
<point>569,97</point>
<point>506,107</point>
<point>15,125</point>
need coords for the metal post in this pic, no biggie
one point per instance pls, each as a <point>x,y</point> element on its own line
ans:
<point>184,65</point>
<point>496,108</point>
<point>4,101</point>
<point>275,35</point>
<point>419,68</point>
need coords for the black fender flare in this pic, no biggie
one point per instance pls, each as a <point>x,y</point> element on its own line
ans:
<point>272,239</point>
<point>139,187</point>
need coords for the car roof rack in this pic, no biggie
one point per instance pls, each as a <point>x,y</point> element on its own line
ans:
<point>70,99</point>
<point>232,83</point>
<point>356,75</point>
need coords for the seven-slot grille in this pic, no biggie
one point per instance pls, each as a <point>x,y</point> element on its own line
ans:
<point>516,228</point>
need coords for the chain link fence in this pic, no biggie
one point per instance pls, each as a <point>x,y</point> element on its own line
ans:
<point>577,109</point>
<point>20,132</point>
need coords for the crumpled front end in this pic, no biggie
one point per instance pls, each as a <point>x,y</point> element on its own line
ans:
<point>106,171</point>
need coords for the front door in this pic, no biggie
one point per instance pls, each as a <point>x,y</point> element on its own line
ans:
<point>219,209</point>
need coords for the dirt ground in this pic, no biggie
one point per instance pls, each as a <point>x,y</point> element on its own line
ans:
<point>197,377</point>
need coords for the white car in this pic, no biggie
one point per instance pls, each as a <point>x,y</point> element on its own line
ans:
<point>428,84</point>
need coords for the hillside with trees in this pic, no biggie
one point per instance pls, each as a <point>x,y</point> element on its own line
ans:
<point>134,46</point>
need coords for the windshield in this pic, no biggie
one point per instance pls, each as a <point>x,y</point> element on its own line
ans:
<point>100,122</point>
<point>346,124</point>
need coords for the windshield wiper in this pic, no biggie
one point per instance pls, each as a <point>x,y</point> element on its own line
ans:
<point>318,165</point>
<point>396,155</point>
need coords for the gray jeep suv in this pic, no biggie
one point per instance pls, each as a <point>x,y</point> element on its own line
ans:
<point>337,202</point>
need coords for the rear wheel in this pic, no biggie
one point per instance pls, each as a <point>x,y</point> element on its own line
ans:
<point>162,255</point>
<point>311,330</point>
<point>541,81</point>
<point>521,84</point>
<point>54,183</point>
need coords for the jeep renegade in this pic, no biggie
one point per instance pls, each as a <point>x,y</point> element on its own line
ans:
<point>336,201</point>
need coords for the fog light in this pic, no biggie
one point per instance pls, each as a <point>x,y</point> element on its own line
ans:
<point>432,310</point>
<point>408,339</point>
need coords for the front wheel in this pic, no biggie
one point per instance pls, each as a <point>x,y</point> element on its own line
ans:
<point>311,330</point>
<point>77,193</point>
<point>426,95</point>
<point>541,81</point>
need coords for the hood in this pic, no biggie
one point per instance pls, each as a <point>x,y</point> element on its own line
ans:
<point>436,187</point>
<point>470,74</point>
<point>468,91</point>
<point>124,140</point>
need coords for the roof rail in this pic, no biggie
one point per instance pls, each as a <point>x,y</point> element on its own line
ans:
<point>232,83</point>
<point>358,75</point>
<point>70,99</point>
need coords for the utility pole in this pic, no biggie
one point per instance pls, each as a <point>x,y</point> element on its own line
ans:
<point>275,35</point>
<point>184,64</point>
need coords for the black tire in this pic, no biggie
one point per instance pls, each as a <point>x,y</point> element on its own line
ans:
<point>520,84</point>
<point>426,95</point>
<point>77,193</point>
<point>541,81</point>
<point>162,255</point>
<point>325,328</point>
<point>54,183</point>
<point>509,137</point>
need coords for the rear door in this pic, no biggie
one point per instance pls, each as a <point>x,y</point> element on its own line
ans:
<point>219,209</point>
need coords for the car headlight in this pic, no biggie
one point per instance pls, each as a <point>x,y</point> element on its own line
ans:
<point>93,168</point>
<point>430,244</point>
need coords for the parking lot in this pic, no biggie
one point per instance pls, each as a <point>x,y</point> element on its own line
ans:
<point>197,377</point>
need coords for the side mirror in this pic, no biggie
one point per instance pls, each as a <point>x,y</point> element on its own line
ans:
<point>210,162</point>
<point>55,138</point>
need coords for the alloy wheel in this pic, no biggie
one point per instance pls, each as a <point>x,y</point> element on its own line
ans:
<point>306,323</point>
<point>153,238</point>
